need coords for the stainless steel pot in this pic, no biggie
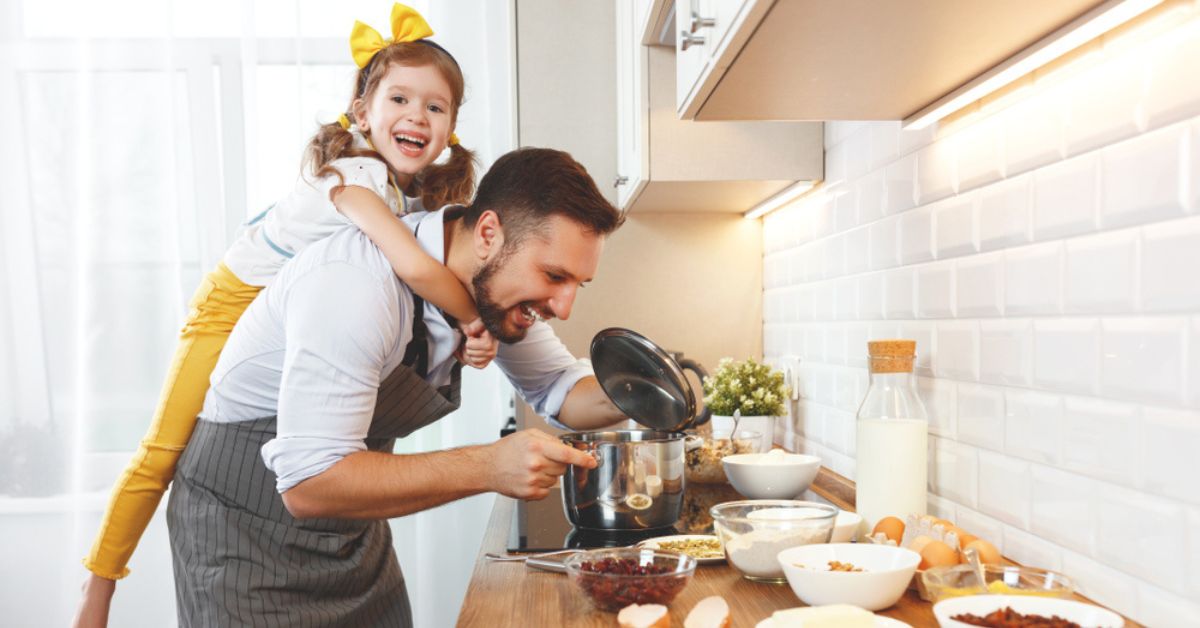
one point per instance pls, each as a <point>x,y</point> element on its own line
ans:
<point>637,485</point>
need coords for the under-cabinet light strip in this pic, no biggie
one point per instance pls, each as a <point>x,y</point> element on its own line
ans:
<point>1078,32</point>
<point>789,194</point>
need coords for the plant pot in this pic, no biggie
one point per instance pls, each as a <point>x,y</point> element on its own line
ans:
<point>764,425</point>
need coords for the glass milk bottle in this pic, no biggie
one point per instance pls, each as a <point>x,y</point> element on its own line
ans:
<point>892,431</point>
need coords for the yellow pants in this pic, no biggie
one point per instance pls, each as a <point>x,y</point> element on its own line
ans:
<point>214,309</point>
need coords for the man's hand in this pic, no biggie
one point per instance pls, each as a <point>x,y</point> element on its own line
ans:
<point>527,464</point>
<point>94,605</point>
<point>479,346</point>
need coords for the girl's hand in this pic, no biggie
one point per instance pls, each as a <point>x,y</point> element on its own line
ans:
<point>479,346</point>
<point>95,602</point>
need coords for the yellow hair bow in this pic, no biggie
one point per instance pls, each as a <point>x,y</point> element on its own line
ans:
<point>453,140</point>
<point>407,25</point>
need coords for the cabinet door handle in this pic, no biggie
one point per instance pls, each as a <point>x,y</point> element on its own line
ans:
<point>620,180</point>
<point>687,40</point>
<point>702,22</point>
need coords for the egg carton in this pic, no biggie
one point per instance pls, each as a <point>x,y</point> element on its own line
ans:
<point>916,526</point>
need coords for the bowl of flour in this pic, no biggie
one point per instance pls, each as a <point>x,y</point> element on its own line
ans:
<point>753,532</point>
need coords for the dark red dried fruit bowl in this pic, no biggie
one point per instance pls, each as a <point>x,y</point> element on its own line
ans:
<point>615,578</point>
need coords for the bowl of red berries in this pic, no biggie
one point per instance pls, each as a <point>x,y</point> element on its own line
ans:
<point>615,578</point>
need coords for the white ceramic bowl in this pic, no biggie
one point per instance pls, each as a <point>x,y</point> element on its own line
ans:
<point>774,475</point>
<point>886,572</point>
<point>845,527</point>
<point>1083,614</point>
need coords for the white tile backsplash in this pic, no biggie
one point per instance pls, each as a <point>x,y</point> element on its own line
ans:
<point>1044,251</point>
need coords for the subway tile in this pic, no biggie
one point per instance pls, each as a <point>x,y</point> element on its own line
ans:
<point>898,291</point>
<point>1004,488</point>
<point>847,299</point>
<point>1032,279</point>
<point>954,224</point>
<point>1168,458</point>
<point>1141,535</point>
<point>1102,583</point>
<point>979,153</point>
<point>1100,439</point>
<point>883,236</point>
<point>979,285</point>
<point>1166,249</point>
<point>955,471</point>
<point>1033,425</point>
<point>935,172</point>
<point>899,191</point>
<point>870,296</point>
<point>1193,177</point>
<point>885,143</point>
<point>1028,549</point>
<point>1192,555</point>
<point>1004,214</point>
<point>1033,134</point>
<point>938,507</point>
<point>914,140</point>
<point>858,250</point>
<point>835,161</point>
<point>868,192</point>
<point>922,332</point>
<point>1141,180</point>
<point>1099,105</point>
<point>981,416</point>
<point>1063,507</point>
<point>856,346</point>
<point>957,350</point>
<point>916,236</point>
<point>835,344</point>
<point>1064,198</point>
<point>814,343</point>
<point>1099,273</point>
<point>935,290</point>
<point>1157,607</point>
<point>858,146</point>
<point>981,525</point>
<point>939,398</point>
<point>823,385</point>
<point>1005,351</point>
<point>1192,376</point>
<point>845,209</point>
<point>835,256</point>
<point>812,259</point>
<point>1172,91</point>
<point>1142,359</point>
<point>1066,354</point>
<point>824,301</point>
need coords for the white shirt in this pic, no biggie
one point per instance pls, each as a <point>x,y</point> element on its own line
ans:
<point>314,346</point>
<point>306,215</point>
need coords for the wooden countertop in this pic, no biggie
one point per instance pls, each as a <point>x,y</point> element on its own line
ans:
<point>510,594</point>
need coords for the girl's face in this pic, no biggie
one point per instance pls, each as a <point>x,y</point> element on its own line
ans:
<point>408,118</point>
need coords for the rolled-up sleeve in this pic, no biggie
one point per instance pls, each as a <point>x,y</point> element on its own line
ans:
<point>340,322</point>
<point>542,370</point>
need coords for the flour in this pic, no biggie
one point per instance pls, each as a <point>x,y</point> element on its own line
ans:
<point>755,552</point>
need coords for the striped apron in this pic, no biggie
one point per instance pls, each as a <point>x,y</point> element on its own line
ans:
<point>241,559</point>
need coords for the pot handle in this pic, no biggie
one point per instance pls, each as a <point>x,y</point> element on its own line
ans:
<point>694,366</point>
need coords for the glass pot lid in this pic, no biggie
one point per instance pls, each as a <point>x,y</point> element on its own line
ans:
<point>645,382</point>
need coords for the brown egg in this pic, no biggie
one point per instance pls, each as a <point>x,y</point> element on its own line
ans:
<point>937,554</point>
<point>919,543</point>
<point>891,527</point>
<point>988,554</point>
<point>965,539</point>
<point>945,524</point>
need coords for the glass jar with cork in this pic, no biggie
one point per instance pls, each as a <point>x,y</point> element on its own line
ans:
<point>892,436</point>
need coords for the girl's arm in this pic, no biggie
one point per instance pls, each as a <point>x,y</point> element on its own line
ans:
<point>428,278</point>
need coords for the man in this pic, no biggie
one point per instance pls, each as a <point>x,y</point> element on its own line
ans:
<point>277,513</point>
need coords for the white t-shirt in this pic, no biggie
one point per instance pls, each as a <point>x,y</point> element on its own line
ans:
<point>314,346</point>
<point>307,215</point>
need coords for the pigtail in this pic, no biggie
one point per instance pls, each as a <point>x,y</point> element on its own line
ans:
<point>450,183</point>
<point>332,141</point>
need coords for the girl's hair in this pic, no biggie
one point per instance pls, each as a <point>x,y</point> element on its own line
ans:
<point>437,184</point>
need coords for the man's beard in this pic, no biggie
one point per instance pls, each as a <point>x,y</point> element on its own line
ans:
<point>490,312</point>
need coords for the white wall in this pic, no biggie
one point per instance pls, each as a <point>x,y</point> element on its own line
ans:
<point>1044,251</point>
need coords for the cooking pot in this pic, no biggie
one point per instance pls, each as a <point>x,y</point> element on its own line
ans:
<point>638,482</point>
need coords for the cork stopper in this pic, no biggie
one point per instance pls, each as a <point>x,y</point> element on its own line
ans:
<point>891,356</point>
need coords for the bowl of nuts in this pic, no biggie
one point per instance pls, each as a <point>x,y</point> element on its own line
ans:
<point>869,576</point>
<point>615,578</point>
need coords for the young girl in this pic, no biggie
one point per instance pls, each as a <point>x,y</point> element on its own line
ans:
<point>404,109</point>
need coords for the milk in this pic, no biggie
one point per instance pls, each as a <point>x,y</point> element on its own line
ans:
<point>891,468</point>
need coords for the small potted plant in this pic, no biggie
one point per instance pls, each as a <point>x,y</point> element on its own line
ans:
<point>753,390</point>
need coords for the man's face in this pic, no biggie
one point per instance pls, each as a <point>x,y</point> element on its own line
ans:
<point>535,278</point>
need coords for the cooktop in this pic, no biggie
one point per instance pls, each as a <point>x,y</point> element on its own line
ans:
<point>542,526</point>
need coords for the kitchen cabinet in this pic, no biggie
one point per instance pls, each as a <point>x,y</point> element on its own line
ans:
<point>844,60</point>
<point>668,164</point>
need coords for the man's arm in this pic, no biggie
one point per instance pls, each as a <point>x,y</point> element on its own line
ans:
<point>375,485</point>
<point>587,407</point>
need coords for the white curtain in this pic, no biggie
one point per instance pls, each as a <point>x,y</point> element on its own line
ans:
<point>135,136</point>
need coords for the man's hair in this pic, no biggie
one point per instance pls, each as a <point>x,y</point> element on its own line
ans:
<point>528,185</point>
